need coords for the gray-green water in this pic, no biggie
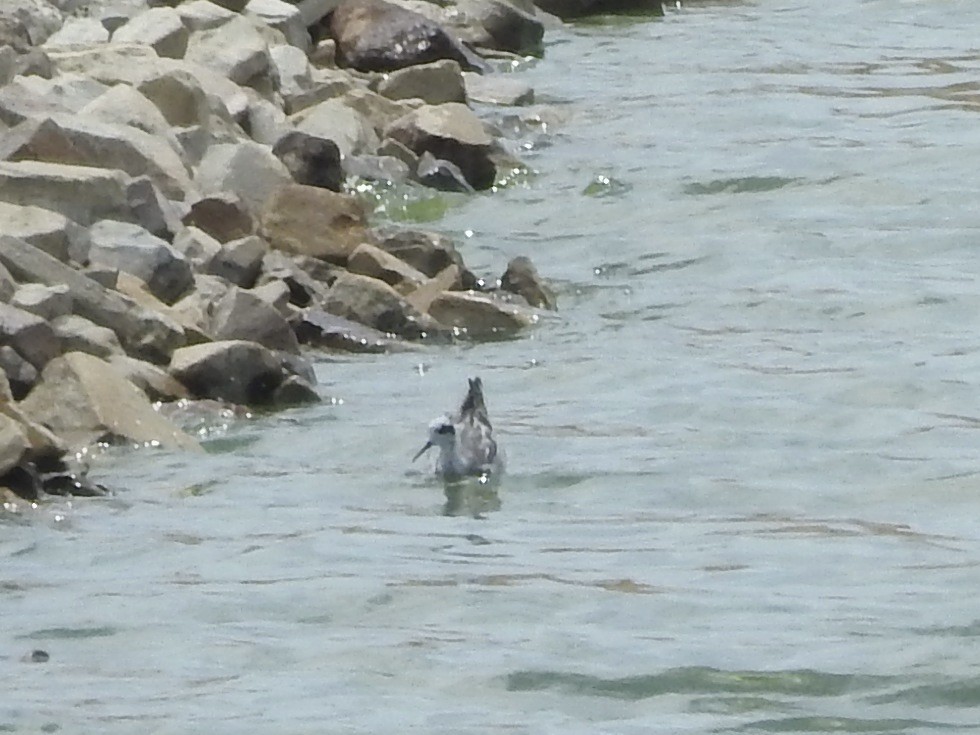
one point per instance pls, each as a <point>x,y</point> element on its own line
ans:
<point>744,457</point>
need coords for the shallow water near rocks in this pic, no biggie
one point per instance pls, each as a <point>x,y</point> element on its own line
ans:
<point>743,468</point>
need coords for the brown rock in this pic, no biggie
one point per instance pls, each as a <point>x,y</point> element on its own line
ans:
<point>479,316</point>
<point>376,304</point>
<point>521,278</point>
<point>368,260</point>
<point>221,215</point>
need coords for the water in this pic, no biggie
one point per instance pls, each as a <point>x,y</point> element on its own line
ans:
<point>742,482</point>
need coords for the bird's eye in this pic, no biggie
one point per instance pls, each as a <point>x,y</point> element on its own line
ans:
<point>446,429</point>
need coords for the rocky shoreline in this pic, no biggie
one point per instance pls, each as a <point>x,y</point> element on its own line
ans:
<point>178,217</point>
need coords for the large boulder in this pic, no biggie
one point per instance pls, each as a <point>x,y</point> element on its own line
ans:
<point>30,335</point>
<point>50,231</point>
<point>308,220</point>
<point>47,302</point>
<point>376,304</point>
<point>312,160</point>
<point>132,249</point>
<point>451,132</point>
<point>333,119</point>
<point>478,315</point>
<point>85,400</point>
<point>241,315</point>
<point>505,24</point>
<point>435,83</point>
<point>235,50</point>
<point>154,381</point>
<point>429,252</point>
<point>123,104</point>
<point>247,169</point>
<point>373,35</point>
<point>161,28</point>
<point>234,371</point>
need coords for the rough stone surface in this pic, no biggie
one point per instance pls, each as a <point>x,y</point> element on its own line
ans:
<point>50,231</point>
<point>78,334</point>
<point>78,31</point>
<point>521,278</point>
<point>178,95</point>
<point>235,371</point>
<point>335,120</point>
<point>506,24</point>
<point>161,28</point>
<point>20,373</point>
<point>429,252</point>
<point>239,261</point>
<point>235,50</point>
<point>84,399</point>
<point>451,132</point>
<point>435,83</point>
<point>324,330</point>
<point>247,169</point>
<point>197,246</point>
<point>308,220</point>
<point>123,104</point>
<point>368,260</point>
<point>283,17</point>
<point>132,249</point>
<point>203,15</point>
<point>478,316</point>
<point>81,193</point>
<point>13,443</point>
<point>154,381</point>
<point>29,334</point>
<point>440,174</point>
<point>243,315</point>
<point>222,215</point>
<point>304,289</point>
<point>312,161</point>
<point>376,304</point>
<point>47,302</point>
<point>7,284</point>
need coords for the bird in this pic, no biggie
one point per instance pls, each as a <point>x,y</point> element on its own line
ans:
<point>467,447</point>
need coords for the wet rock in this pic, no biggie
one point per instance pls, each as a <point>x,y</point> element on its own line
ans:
<point>294,391</point>
<point>376,304</point>
<point>132,249</point>
<point>308,220</point>
<point>85,400</point>
<point>435,83</point>
<point>78,334</point>
<point>30,335</point>
<point>160,28</point>
<point>143,333</point>
<point>240,261</point>
<point>429,252</point>
<point>507,25</point>
<point>236,50</point>
<point>311,160</point>
<point>442,175</point>
<point>568,9</point>
<point>368,260</point>
<point>13,444</point>
<point>479,316</point>
<point>394,149</point>
<point>221,215</point>
<point>333,119</point>
<point>197,247</point>
<point>372,35</point>
<point>154,381</point>
<point>20,373</point>
<point>236,371</point>
<point>47,302</point>
<point>521,278</point>
<point>451,132</point>
<point>241,315</point>
<point>247,169</point>
<point>321,329</point>
<point>498,89</point>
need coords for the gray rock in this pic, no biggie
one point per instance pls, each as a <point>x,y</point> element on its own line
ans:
<point>235,50</point>
<point>521,278</point>
<point>311,160</point>
<point>47,302</point>
<point>235,371</point>
<point>178,95</point>
<point>221,215</point>
<point>29,334</point>
<point>20,373</point>
<point>435,83</point>
<point>150,209</point>
<point>240,261</point>
<point>304,289</point>
<point>106,277</point>
<point>498,89</point>
<point>377,168</point>
<point>78,334</point>
<point>25,23</point>
<point>451,132</point>
<point>78,31</point>
<point>294,391</point>
<point>291,72</point>
<point>368,260</point>
<point>155,382</point>
<point>266,122</point>
<point>236,6</point>
<point>376,304</point>
<point>143,333</point>
<point>437,173</point>
<point>284,17</point>
<point>160,28</point>
<point>50,231</point>
<point>308,220</point>
<point>507,25</point>
<point>276,294</point>
<point>197,246</point>
<point>242,315</point>
<point>82,193</point>
<point>247,169</point>
<point>7,284</point>
<point>122,104</point>
<point>13,444</point>
<point>132,249</point>
<point>85,400</point>
<point>203,15</point>
<point>321,329</point>
<point>479,316</point>
<point>31,97</point>
<point>334,120</point>
<point>393,149</point>
<point>429,252</point>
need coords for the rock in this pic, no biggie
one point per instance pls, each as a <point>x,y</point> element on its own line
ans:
<point>521,278</point>
<point>235,371</point>
<point>247,169</point>
<point>284,17</point>
<point>568,9</point>
<point>74,140</point>
<point>43,446</point>
<point>47,302</point>
<point>508,26</point>
<point>241,315</point>
<point>25,23</point>
<point>161,28</point>
<point>336,121</point>
<point>304,289</point>
<point>435,83</point>
<point>377,168</point>
<point>368,260</point>
<point>221,215</point>
<point>422,297</point>
<point>122,104</point>
<point>20,373</point>
<point>498,89</point>
<point>30,335</point>
<point>376,304</point>
<point>451,132</point>
<point>7,284</point>
<point>291,72</point>
<point>203,15</point>
<point>394,149</point>
<point>49,231</point>
<point>308,220</point>
<point>236,6</point>
<point>294,391</point>
<point>78,31</point>
<point>86,400</point>
<point>13,444</point>
<point>239,261</point>
<point>275,294</point>
<point>311,160</point>
<point>442,175</point>
<point>372,35</point>
<point>132,249</point>
<point>78,334</point>
<point>150,209</point>
<point>478,316</point>
<point>379,111</point>
<point>31,98</point>
<point>430,253</point>
<point>235,50</point>
<point>81,193</point>
<point>142,333</point>
<point>197,247</point>
<point>324,330</point>
<point>179,96</point>
<point>155,382</point>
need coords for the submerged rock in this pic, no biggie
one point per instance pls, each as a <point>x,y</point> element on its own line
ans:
<point>478,316</point>
<point>521,278</point>
<point>235,371</point>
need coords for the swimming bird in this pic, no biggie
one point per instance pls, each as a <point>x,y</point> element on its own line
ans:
<point>465,441</point>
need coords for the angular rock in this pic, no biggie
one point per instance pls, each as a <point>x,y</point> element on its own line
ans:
<point>78,31</point>
<point>155,382</point>
<point>377,168</point>
<point>376,304</point>
<point>150,209</point>
<point>498,89</point>
<point>304,289</point>
<point>334,120</point>
<point>284,17</point>
<point>308,220</point>
<point>7,284</point>
<point>160,28</point>
<point>429,252</point>
<point>236,371</point>
<point>422,297</point>
<point>323,330</point>
<point>235,50</point>
<point>30,335</point>
<point>507,25</point>
<point>197,247</point>
<point>50,231</point>
<point>247,169</point>
<point>241,315</point>
<point>236,6</point>
<point>394,149</point>
<point>222,215</point>
<point>178,95</point>
<point>132,249</point>
<point>78,334</point>
<point>143,333</point>
<point>265,121</point>
<point>20,373</point>
<point>521,278</point>
<point>437,173</point>
<point>85,400</point>
<point>479,316</point>
<point>81,193</point>
<point>42,445</point>
<point>435,83</point>
<point>311,160</point>
<point>122,104</point>
<point>276,294</point>
<point>368,260</point>
<point>372,35</point>
<point>47,302</point>
<point>239,261</point>
<point>30,97</point>
<point>451,132</point>
<point>203,15</point>
<point>13,444</point>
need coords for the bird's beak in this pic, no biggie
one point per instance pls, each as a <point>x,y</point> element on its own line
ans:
<point>422,451</point>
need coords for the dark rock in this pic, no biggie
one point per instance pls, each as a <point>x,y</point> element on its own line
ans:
<point>372,35</point>
<point>442,175</point>
<point>509,26</point>
<point>234,371</point>
<point>241,315</point>
<point>478,315</point>
<point>324,330</point>
<point>521,277</point>
<point>240,261</point>
<point>20,373</point>
<point>312,160</point>
<point>304,288</point>
<point>221,215</point>
<point>430,253</point>
<point>294,391</point>
<point>30,335</point>
<point>566,9</point>
<point>24,481</point>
